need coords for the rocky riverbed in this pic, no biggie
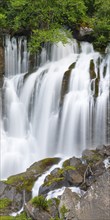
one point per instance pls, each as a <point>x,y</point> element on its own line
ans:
<point>89,175</point>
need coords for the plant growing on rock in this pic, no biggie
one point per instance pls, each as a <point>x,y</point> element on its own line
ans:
<point>40,202</point>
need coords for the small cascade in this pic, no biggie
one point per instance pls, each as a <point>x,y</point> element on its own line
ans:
<point>16,56</point>
<point>40,181</point>
<point>61,108</point>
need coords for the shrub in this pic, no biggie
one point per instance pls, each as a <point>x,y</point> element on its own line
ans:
<point>40,202</point>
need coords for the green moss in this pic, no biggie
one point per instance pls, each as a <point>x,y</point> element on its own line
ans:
<point>72,66</point>
<point>70,168</point>
<point>6,218</point>
<point>43,165</point>
<point>66,163</point>
<point>57,201</point>
<point>59,176</point>
<point>26,180</point>
<point>62,171</point>
<point>5,203</point>
<point>57,179</point>
<point>22,216</point>
<point>21,181</point>
<point>94,158</point>
<point>56,218</point>
<point>40,202</point>
<point>63,211</point>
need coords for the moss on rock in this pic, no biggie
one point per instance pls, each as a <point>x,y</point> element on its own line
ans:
<point>21,216</point>
<point>53,180</point>
<point>40,202</point>
<point>26,180</point>
<point>4,204</point>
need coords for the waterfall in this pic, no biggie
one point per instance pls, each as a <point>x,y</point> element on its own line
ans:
<point>61,108</point>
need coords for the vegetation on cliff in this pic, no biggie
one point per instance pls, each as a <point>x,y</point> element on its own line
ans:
<point>47,21</point>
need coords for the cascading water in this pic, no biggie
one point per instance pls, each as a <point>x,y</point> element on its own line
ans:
<point>44,114</point>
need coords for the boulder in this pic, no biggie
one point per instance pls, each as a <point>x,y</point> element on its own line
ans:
<point>68,200</point>
<point>41,208</point>
<point>36,213</point>
<point>54,183</point>
<point>10,193</point>
<point>84,31</point>
<point>94,204</point>
<point>73,177</point>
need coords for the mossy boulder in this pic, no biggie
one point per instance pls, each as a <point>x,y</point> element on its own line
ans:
<point>5,205</point>
<point>52,184</point>
<point>25,181</point>
<point>91,156</point>
<point>66,176</point>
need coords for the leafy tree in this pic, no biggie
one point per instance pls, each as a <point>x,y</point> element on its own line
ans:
<point>42,19</point>
<point>47,20</point>
<point>101,23</point>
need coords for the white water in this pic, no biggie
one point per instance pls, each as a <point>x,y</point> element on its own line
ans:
<point>58,192</point>
<point>34,124</point>
<point>40,181</point>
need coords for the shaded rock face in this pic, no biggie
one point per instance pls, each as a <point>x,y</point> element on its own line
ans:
<point>16,197</point>
<point>36,213</point>
<point>39,213</point>
<point>93,205</point>
<point>68,200</point>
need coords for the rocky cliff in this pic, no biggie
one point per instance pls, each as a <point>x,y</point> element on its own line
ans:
<point>90,175</point>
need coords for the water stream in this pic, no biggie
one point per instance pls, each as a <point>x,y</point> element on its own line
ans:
<point>54,110</point>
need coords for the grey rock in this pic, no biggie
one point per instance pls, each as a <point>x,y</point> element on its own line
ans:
<point>85,31</point>
<point>93,205</point>
<point>36,213</point>
<point>68,200</point>
<point>75,162</point>
<point>73,177</point>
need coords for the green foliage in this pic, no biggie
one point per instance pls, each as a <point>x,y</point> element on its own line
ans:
<point>6,218</point>
<point>53,180</point>
<point>21,216</point>
<point>4,203</point>
<point>21,181</point>
<point>63,211</point>
<point>56,218</point>
<point>40,202</point>
<point>46,21</point>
